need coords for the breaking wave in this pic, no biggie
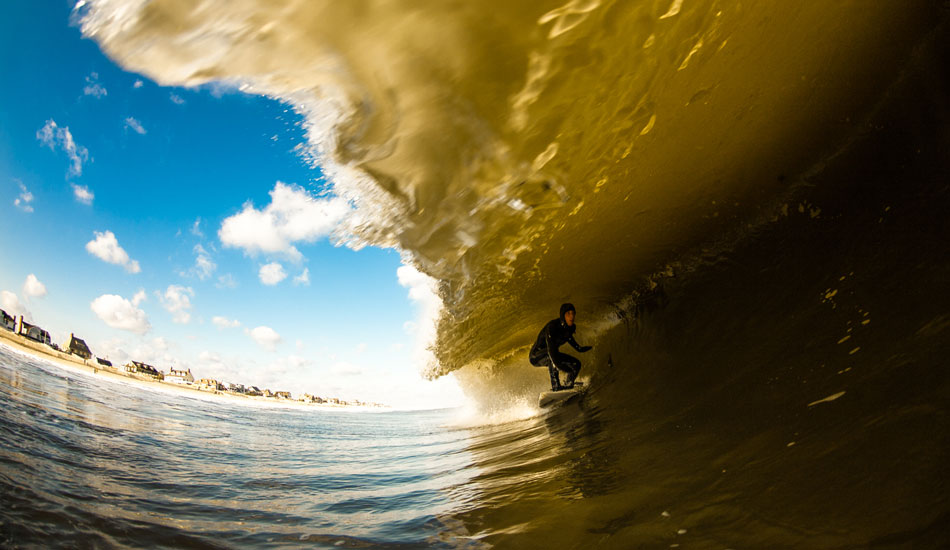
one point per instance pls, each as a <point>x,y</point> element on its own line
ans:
<point>747,202</point>
<point>525,154</point>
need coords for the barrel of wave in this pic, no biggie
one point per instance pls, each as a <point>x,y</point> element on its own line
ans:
<point>504,146</point>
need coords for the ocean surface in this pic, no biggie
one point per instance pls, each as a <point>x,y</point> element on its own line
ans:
<point>92,463</point>
<point>747,202</point>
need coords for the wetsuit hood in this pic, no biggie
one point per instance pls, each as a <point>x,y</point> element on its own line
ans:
<point>565,308</point>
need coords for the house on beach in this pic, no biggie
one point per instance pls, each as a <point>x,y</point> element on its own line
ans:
<point>33,338</point>
<point>209,384</point>
<point>7,321</point>
<point>33,332</point>
<point>136,367</point>
<point>77,346</point>
<point>176,376</point>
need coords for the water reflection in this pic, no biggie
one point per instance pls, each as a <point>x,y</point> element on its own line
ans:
<point>123,463</point>
<point>537,478</point>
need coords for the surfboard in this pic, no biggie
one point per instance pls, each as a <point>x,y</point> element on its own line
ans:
<point>555,398</point>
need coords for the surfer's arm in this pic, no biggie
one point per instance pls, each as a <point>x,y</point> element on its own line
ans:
<point>577,346</point>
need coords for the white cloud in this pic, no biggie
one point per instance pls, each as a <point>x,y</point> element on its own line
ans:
<point>24,200</point>
<point>177,301</point>
<point>55,137</point>
<point>204,266</point>
<point>303,278</point>
<point>422,291</point>
<point>226,281</point>
<point>10,303</point>
<point>272,273</point>
<point>293,215</point>
<point>33,288</point>
<point>224,322</point>
<point>106,247</point>
<point>266,337</point>
<point>223,369</point>
<point>83,194</point>
<point>286,373</point>
<point>117,312</point>
<point>212,361</point>
<point>49,133</point>
<point>347,369</point>
<point>196,228</point>
<point>176,99</point>
<point>352,379</point>
<point>210,357</point>
<point>135,125</point>
<point>93,87</point>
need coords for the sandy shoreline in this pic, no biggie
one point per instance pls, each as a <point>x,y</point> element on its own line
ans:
<point>90,367</point>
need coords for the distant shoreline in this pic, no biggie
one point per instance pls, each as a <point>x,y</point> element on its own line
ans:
<point>21,344</point>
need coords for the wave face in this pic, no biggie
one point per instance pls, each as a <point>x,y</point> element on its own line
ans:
<point>526,153</point>
<point>747,203</point>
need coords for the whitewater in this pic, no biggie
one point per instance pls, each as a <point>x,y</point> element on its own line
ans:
<point>747,203</point>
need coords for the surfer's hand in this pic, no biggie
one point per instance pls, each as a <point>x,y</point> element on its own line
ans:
<point>585,349</point>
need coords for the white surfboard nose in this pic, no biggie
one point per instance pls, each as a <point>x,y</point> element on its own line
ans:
<point>553,398</point>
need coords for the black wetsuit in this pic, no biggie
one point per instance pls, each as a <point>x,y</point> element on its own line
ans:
<point>545,352</point>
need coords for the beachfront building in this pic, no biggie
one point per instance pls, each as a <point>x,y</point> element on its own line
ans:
<point>103,362</point>
<point>267,393</point>
<point>136,367</point>
<point>283,395</point>
<point>254,391</point>
<point>33,332</point>
<point>77,346</point>
<point>176,376</point>
<point>209,384</point>
<point>7,321</point>
<point>237,388</point>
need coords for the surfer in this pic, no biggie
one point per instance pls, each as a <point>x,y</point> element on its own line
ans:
<point>545,352</point>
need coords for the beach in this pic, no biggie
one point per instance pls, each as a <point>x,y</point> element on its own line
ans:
<point>90,367</point>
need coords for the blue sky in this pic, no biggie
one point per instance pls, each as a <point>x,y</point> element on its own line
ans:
<point>115,194</point>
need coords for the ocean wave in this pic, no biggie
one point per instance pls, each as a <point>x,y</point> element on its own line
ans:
<point>525,154</point>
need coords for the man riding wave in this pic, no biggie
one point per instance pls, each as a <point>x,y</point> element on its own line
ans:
<point>545,352</point>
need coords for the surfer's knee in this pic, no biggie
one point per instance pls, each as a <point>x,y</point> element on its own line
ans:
<point>573,364</point>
